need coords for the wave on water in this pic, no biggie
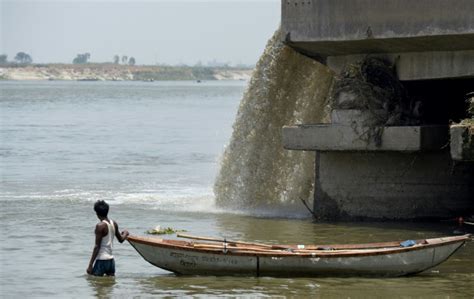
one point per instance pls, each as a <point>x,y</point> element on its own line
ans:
<point>188,200</point>
<point>191,200</point>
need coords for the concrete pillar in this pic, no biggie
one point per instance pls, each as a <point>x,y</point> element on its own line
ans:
<point>392,185</point>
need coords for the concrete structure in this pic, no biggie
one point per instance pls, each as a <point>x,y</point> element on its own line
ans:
<point>425,38</point>
<point>351,138</point>
<point>407,172</point>
<point>410,174</point>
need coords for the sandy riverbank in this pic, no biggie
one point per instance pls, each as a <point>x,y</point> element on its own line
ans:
<point>111,72</point>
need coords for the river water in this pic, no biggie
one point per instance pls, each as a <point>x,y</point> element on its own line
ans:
<point>152,151</point>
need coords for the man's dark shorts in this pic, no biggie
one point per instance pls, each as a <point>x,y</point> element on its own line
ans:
<point>104,267</point>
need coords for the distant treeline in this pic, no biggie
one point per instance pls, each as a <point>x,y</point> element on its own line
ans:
<point>84,58</point>
<point>20,58</point>
<point>23,59</point>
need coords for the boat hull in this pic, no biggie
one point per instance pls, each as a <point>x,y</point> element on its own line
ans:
<point>198,263</point>
<point>392,264</point>
<point>380,262</point>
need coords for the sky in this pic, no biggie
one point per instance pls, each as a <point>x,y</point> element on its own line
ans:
<point>152,31</point>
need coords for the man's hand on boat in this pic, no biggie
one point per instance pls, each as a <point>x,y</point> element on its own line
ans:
<point>125,234</point>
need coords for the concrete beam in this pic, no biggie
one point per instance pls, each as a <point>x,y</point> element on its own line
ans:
<point>353,138</point>
<point>418,65</point>
<point>382,45</point>
<point>343,27</point>
<point>425,39</point>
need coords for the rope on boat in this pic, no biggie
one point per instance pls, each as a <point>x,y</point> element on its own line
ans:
<point>307,207</point>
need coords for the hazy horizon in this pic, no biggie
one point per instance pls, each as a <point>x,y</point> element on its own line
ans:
<point>152,31</point>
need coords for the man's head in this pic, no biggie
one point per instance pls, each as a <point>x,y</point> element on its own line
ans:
<point>101,208</point>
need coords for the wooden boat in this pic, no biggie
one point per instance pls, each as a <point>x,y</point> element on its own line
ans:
<point>242,258</point>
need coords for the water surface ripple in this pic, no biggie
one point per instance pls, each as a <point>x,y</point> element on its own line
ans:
<point>152,150</point>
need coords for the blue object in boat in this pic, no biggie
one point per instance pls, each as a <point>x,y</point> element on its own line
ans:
<point>408,243</point>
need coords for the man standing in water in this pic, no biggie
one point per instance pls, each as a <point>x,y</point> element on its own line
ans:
<point>102,261</point>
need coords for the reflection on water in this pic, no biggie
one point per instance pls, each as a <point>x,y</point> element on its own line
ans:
<point>102,286</point>
<point>427,285</point>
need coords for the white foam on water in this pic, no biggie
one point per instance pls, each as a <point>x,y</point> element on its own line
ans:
<point>184,199</point>
<point>188,200</point>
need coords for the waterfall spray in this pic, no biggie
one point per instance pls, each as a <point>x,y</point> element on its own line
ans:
<point>256,172</point>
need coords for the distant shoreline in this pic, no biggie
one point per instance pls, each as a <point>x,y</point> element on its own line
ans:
<point>114,72</point>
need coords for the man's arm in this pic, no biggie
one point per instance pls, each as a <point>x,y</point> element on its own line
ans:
<point>121,236</point>
<point>99,234</point>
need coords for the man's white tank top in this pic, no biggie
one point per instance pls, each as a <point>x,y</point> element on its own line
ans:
<point>105,251</point>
